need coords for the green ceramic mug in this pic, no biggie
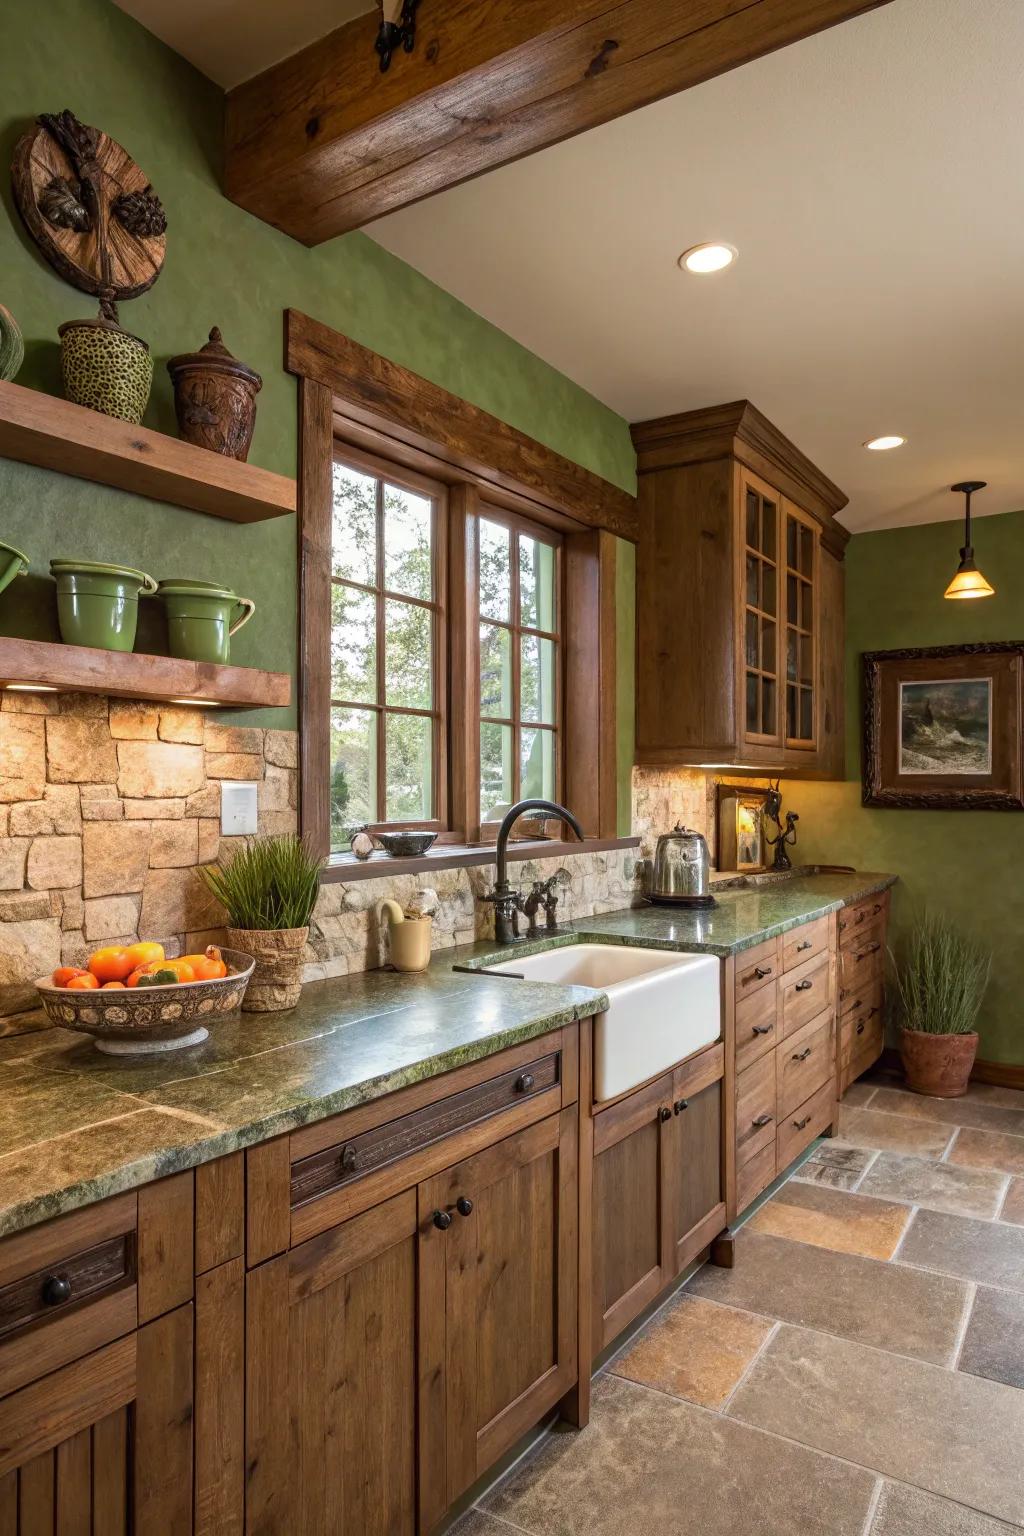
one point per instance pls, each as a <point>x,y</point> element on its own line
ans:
<point>202,617</point>
<point>12,563</point>
<point>98,604</point>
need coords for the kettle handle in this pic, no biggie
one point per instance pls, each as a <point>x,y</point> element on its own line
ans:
<point>248,608</point>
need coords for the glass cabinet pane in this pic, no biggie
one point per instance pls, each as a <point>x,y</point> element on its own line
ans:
<point>800,620</point>
<point>769,515</point>
<point>753,704</point>
<point>753,502</point>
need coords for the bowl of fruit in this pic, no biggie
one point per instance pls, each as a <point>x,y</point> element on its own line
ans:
<point>132,999</point>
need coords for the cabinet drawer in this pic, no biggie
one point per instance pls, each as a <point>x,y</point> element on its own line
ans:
<point>803,943</point>
<point>798,1129</point>
<point>804,993</point>
<point>755,1108</point>
<point>860,962</point>
<point>804,1062</point>
<point>372,1150</point>
<point>755,1175</point>
<point>755,968</point>
<point>756,1025</point>
<point>58,1288</point>
<point>861,1035</point>
<point>852,921</point>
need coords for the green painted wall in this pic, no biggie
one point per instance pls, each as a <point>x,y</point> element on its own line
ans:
<point>223,268</point>
<point>967,864</point>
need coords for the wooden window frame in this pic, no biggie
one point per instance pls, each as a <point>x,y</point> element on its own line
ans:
<point>437,493</point>
<point>368,405</point>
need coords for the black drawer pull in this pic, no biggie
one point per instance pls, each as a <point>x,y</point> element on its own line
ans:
<point>873,1011</point>
<point>763,1120</point>
<point>349,1158</point>
<point>56,1289</point>
<point>525,1083</point>
<point>861,916</point>
<point>799,1125</point>
<point>680,1105</point>
<point>805,944</point>
<point>464,1206</point>
<point>763,1029</point>
<point>761,971</point>
<point>802,1055</point>
<point>664,1114</point>
<point>860,1027</point>
<point>876,909</point>
<point>442,1220</point>
<point>803,986</point>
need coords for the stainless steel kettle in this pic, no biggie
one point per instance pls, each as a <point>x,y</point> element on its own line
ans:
<point>682,869</point>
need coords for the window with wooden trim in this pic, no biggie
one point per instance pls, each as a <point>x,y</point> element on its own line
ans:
<point>388,687</point>
<point>520,616</point>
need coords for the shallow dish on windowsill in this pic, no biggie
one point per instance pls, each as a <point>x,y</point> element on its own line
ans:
<point>143,1020</point>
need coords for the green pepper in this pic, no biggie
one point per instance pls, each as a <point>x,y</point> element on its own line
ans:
<point>157,979</point>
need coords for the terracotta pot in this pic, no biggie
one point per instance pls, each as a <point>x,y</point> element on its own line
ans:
<point>937,1065</point>
<point>277,980</point>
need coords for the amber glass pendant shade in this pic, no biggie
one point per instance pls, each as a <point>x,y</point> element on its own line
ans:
<point>968,581</point>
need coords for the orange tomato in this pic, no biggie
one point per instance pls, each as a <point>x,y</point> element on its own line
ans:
<point>86,982</point>
<point>144,954</point>
<point>209,966</point>
<point>112,986</point>
<point>181,968</point>
<point>111,964</point>
<point>63,974</point>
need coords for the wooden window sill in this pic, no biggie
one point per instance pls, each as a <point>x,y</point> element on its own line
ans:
<point>379,866</point>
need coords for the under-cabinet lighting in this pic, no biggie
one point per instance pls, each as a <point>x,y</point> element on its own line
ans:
<point>711,256</point>
<point>199,703</point>
<point>29,688</point>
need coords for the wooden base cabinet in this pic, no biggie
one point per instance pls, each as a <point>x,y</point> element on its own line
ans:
<point>658,1189</point>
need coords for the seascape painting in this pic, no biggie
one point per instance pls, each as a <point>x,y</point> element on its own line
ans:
<point>946,727</point>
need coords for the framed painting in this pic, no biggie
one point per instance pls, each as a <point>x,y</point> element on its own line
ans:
<point>942,728</point>
<point>740,842</point>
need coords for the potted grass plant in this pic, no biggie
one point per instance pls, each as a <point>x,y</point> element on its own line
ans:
<point>268,889</point>
<point>940,982</point>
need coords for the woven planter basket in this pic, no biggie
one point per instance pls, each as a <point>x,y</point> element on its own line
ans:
<point>277,980</point>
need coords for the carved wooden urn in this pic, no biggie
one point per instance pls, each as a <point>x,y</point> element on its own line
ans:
<point>215,398</point>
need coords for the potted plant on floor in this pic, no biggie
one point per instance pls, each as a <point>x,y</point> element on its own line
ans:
<point>939,986</point>
<point>268,889</point>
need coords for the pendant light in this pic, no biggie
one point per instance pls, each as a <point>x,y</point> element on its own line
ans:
<point>968,581</point>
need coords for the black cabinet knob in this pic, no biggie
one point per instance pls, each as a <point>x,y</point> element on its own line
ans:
<point>442,1221</point>
<point>525,1083</point>
<point>664,1114</point>
<point>860,1027</point>
<point>804,944</point>
<point>56,1289</point>
<point>803,986</point>
<point>680,1105</point>
<point>349,1158</point>
<point>464,1206</point>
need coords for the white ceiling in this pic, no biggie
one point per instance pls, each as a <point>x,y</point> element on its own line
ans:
<point>872,178</point>
<point>232,40</point>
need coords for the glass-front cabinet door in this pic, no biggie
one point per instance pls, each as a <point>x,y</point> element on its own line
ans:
<point>760,540</point>
<point>801,628</point>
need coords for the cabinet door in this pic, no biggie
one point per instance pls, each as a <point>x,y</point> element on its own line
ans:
<point>103,1447</point>
<point>759,540</point>
<point>331,1381</point>
<point>500,1273</point>
<point>694,1174</point>
<point>632,1227</point>
<point>801,629</point>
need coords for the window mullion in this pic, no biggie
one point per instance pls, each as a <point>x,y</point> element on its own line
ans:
<point>515,658</point>
<point>381,637</point>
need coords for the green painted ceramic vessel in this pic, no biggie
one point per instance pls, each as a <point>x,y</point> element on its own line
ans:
<point>98,604</point>
<point>202,617</point>
<point>105,368</point>
<point>12,563</point>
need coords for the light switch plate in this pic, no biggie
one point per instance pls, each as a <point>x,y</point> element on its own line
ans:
<point>237,808</point>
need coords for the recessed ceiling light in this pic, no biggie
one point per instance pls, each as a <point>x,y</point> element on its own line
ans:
<point>880,444</point>
<point>712,256</point>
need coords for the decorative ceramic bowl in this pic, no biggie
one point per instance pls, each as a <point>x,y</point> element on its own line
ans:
<point>405,845</point>
<point>141,1020</point>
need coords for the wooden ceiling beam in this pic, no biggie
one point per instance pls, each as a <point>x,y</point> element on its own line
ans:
<point>324,143</point>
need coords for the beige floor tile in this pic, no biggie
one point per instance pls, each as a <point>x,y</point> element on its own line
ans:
<point>476,1523</point>
<point>994,1342</point>
<point>951,1434</point>
<point>859,1094</point>
<point>1013,1204</point>
<point>650,1463</point>
<point>941,1187</point>
<point>884,1304</point>
<point>830,1218</point>
<point>988,1149</point>
<point>983,1115</point>
<point>893,1133</point>
<point>984,1251</point>
<point>994,1093</point>
<point>836,1167</point>
<point>904,1511</point>
<point>696,1350</point>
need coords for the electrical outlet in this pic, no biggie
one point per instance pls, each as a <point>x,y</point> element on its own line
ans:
<point>237,808</point>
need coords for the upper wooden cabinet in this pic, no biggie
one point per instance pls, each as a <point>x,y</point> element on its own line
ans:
<point>739,597</point>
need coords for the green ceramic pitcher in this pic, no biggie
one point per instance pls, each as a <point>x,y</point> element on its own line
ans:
<point>98,604</point>
<point>12,563</point>
<point>202,617</point>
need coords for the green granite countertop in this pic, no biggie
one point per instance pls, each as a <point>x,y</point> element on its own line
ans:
<point>77,1126</point>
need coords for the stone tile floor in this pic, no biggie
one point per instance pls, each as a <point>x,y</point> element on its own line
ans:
<point>860,1372</point>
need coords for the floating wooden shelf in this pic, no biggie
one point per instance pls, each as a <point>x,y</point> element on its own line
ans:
<point>54,434</point>
<point>82,669</point>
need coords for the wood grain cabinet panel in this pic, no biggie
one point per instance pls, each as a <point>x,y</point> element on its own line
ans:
<point>805,992</point>
<point>757,1025</point>
<point>756,1108</point>
<point>805,1061</point>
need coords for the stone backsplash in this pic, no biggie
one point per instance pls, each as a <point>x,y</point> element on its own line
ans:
<point>663,796</point>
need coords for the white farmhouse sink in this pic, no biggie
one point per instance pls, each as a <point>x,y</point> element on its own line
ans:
<point>663,1006</point>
